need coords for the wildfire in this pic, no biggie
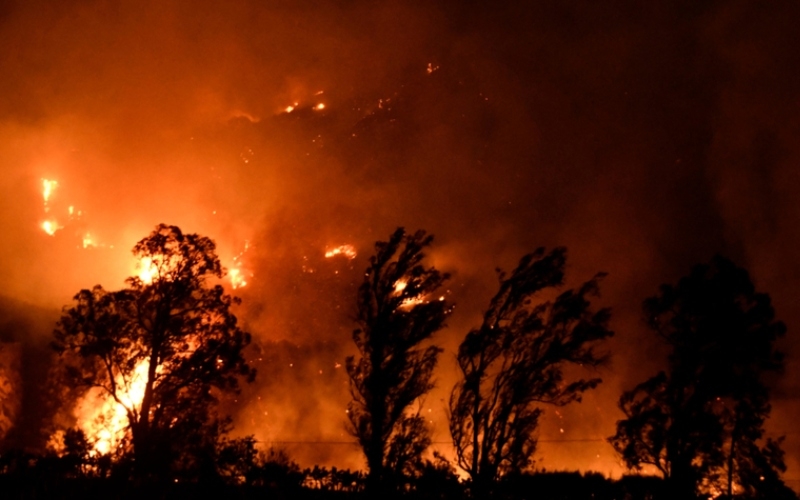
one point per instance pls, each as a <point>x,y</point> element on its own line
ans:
<point>348,251</point>
<point>50,227</point>
<point>236,273</point>
<point>291,107</point>
<point>48,186</point>
<point>88,241</point>
<point>147,270</point>
<point>409,302</point>
<point>237,280</point>
<point>103,419</point>
<point>51,224</point>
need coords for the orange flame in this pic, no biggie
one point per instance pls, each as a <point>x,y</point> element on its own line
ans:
<point>88,241</point>
<point>50,227</point>
<point>48,186</point>
<point>147,270</point>
<point>348,251</point>
<point>237,280</point>
<point>105,420</point>
<point>236,273</point>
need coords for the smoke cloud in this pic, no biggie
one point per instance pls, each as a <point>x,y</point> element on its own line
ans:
<point>644,137</point>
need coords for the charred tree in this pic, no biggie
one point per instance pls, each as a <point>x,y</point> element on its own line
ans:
<point>397,312</point>
<point>161,348</point>
<point>700,423</point>
<point>513,365</point>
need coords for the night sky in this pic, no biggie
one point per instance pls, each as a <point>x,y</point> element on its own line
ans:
<point>643,136</point>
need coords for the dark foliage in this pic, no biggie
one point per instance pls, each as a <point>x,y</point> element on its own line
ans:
<point>24,476</point>
<point>514,363</point>
<point>701,422</point>
<point>177,337</point>
<point>396,314</point>
<point>333,479</point>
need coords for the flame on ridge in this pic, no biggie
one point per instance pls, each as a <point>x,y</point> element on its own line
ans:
<point>50,226</point>
<point>48,186</point>
<point>236,274</point>
<point>88,241</point>
<point>348,251</point>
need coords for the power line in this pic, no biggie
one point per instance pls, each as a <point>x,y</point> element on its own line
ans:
<point>577,440</point>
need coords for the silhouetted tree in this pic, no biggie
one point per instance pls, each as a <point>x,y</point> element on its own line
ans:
<point>397,312</point>
<point>514,363</point>
<point>172,337</point>
<point>333,479</point>
<point>701,422</point>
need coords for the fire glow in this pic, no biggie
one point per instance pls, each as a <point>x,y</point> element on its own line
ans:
<point>48,186</point>
<point>105,420</point>
<point>237,275</point>
<point>348,251</point>
<point>49,226</point>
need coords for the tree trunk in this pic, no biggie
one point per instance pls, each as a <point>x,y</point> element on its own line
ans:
<point>376,448</point>
<point>142,442</point>
<point>730,463</point>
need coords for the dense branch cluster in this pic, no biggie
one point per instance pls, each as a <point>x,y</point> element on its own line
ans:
<point>172,341</point>
<point>701,423</point>
<point>397,312</point>
<point>514,362</point>
<point>167,347</point>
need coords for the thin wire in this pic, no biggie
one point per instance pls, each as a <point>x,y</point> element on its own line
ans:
<point>580,440</point>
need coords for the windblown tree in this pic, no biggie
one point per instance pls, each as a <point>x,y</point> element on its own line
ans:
<point>163,348</point>
<point>397,312</point>
<point>514,364</point>
<point>700,424</point>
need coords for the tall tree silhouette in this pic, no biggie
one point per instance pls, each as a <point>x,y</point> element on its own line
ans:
<point>514,363</point>
<point>161,348</point>
<point>397,313</point>
<point>701,422</point>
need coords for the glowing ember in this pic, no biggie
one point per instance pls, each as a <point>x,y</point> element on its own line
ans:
<point>348,251</point>
<point>50,227</point>
<point>289,109</point>
<point>319,107</point>
<point>48,186</point>
<point>236,274</point>
<point>408,302</point>
<point>412,301</point>
<point>88,241</point>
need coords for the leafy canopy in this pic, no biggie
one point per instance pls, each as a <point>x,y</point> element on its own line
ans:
<point>515,362</point>
<point>397,310</point>
<point>162,347</point>
<point>700,423</point>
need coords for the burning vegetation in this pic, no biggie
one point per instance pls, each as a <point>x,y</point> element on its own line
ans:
<point>148,365</point>
<point>644,137</point>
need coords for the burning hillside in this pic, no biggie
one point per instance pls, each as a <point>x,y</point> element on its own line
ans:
<point>645,139</point>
